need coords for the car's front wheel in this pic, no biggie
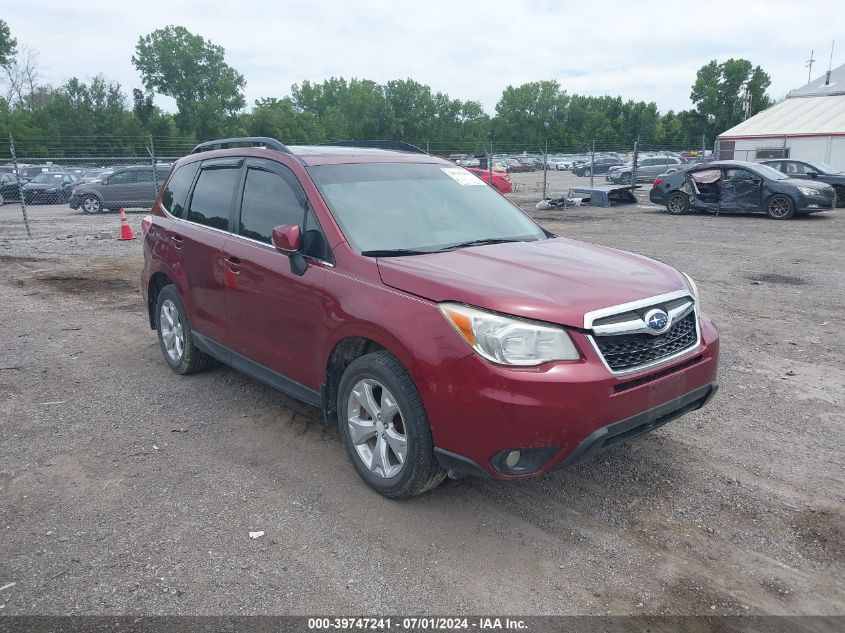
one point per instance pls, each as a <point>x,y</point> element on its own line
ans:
<point>175,336</point>
<point>91,204</point>
<point>385,429</point>
<point>677,203</point>
<point>840,196</point>
<point>780,207</point>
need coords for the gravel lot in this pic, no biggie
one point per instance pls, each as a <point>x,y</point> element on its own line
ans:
<point>127,489</point>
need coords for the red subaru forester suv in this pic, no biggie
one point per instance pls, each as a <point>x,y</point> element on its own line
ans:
<point>434,322</point>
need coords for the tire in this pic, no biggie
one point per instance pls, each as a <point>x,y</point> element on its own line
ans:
<point>780,207</point>
<point>2,200</point>
<point>840,197</point>
<point>677,203</point>
<point>172,318</point>
<point>377,384</point>
<point>625,179</point>
<point>91,204</point>
<point>586,172</point>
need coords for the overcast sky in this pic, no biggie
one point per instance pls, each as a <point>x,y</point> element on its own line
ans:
<point>644,50</point>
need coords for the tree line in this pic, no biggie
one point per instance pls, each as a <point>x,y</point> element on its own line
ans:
<point>210,104</point>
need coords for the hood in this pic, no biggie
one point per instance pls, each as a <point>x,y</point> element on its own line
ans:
<point>807,184</point>
<point>555,280</point>
<point>36,186</point>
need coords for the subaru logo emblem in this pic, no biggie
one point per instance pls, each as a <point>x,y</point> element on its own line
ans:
<point>656,320</point>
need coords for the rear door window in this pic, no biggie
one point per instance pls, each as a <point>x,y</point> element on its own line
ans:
<point>122,178</point>
<point>269,200</point>
<point>176,192</point>
<point>211,201</point>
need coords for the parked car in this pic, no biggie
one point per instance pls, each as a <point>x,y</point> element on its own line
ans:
<point>131,187</point>
<point>601,165</point>
<point>740,187</point>
<point>648,168</point>
<point>812,170</point>
<point>29,172</point>
<point>96,173</point>
<point>434,322</point>
<point>9,190</point>
<point>49,188</point>
<point>502,182</point>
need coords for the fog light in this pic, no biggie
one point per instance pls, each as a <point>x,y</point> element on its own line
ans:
<point>512,459</point>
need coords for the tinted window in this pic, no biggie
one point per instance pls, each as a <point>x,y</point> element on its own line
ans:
<point>173,198</point>
<point>268,201</point>
<point>122,178</point>
<point>212,197</point>
<point>144,175</point>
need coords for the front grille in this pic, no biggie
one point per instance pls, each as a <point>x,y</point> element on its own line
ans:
<point>629,351</point>
<point>830,192</point>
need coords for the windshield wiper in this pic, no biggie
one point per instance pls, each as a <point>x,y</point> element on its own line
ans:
<point>495,240</point>
<point>394,252</point>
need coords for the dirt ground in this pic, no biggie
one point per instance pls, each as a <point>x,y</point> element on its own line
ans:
<point>127,489</point>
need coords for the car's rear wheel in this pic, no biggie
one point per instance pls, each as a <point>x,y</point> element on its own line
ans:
<point>385,429</point>
<point>91,204</point>
<point>175,336</point>
<point>677,203</point>
<point>780,207</point>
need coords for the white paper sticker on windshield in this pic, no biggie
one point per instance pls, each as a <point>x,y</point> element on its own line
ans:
<point>462,176</point>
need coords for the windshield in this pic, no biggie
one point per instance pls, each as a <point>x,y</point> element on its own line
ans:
<point>418,207</point>
<point>824,168</point>
<point>770,172</point>
<point>47,178</point>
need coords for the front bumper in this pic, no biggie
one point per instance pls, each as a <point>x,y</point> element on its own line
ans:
<point>563,412</point>
<point>819,202</point>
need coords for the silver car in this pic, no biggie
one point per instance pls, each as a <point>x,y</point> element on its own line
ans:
<point>648,169</point>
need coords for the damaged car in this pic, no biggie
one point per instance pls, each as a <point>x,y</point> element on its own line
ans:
<point>740,187</point>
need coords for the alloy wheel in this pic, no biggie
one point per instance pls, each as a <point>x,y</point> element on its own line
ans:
<point>376,428</point>
<point>171,331</point>
<point>779,207</point>
<point>91,205</point>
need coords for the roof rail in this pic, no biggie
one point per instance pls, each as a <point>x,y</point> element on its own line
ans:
<point>223,143</point>
<point>401,146</point>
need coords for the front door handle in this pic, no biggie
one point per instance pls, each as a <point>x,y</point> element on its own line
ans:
<point>234,264</point>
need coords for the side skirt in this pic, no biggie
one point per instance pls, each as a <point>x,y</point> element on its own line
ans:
<point>259,372</point>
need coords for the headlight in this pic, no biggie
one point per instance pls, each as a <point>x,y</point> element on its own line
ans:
<point>507,340</point>
<point>809,191</point>
<point>692,288</point>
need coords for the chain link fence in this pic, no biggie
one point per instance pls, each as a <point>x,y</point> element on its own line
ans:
<point>105,174</point>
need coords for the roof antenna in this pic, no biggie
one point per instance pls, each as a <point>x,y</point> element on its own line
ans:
<point>809,64</point>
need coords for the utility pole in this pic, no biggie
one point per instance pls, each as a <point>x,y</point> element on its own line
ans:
<point>809,64</point>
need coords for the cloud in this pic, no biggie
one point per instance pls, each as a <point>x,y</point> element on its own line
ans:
<point>648,50</point>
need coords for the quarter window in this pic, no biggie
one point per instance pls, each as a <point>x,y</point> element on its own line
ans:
<point>268,201</point>
<point>212,197</point>
<point>173,198</point>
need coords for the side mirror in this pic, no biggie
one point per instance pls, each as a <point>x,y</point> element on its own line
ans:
<point>287,238</point>
<point>813,174</point>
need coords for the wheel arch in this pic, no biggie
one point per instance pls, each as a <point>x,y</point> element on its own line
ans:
<point>351,345</point>
<point>157,281</point>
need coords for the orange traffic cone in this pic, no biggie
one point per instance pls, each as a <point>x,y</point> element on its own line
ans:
<point>125,230</point>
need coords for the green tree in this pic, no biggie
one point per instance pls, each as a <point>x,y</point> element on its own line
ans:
<point>208,92</point>
<point>8,45</point>
<point>718,93</point>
